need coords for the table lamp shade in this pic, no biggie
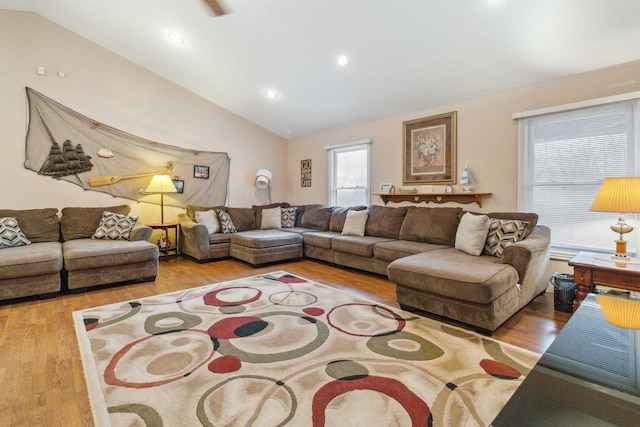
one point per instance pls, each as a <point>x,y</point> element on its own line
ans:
<point>161,184</point>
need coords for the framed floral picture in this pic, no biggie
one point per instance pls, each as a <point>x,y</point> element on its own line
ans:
<point>429,150</point>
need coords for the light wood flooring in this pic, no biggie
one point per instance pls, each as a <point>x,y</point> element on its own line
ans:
<point>41,379</point>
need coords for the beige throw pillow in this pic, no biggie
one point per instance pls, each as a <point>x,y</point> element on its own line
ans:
<point>355,223</point>
<point>209,219</point>
<point>271,218</point>
<point>472,233</point>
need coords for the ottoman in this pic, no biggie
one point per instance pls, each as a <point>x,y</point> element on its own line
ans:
<point>263,246</point>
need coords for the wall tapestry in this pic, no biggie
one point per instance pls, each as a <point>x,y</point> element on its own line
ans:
<point>66,145</point>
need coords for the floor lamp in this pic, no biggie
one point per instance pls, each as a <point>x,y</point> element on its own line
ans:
<point>161,184</point>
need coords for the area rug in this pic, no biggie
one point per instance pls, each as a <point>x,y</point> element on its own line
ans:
<point>277,349</point>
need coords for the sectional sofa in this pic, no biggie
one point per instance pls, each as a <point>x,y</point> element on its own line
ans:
<point>57,249</point>
<point>439,258</point>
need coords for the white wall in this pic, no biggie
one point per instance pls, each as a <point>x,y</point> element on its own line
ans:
<point>114,91</point>
<point>487,139</point>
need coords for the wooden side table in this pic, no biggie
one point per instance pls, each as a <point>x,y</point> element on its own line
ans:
<point>170,247</point>
<point>591,269</point>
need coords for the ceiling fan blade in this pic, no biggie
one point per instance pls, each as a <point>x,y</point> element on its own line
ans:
<point>215,7</point>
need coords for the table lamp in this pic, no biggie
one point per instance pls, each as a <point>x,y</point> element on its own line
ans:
<point>621,195</point>
<point>161,184</point>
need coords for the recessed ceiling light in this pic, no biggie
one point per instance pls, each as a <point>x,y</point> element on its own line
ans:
<point>175,38</point>
<point>271,94</point>
<point>343,60</point>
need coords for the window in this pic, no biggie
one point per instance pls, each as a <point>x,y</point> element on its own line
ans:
<point>564,157</point>
<point>349,174</point>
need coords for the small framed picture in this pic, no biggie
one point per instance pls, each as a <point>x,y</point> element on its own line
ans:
<point>179,183</point>
<point>448,189</point>
<point>201,172</point>
<point>385,188</point>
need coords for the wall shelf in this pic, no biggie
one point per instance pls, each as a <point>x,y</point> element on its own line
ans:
<point>463,198</point>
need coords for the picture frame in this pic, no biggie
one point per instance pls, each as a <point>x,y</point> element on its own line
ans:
<point>429,150</point>
<point>201,172</point>
<point>385,188</point>
<point>305,173</point>
<point>179,183</point>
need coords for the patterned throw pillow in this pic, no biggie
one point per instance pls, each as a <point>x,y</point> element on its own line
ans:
<point>502,234</point>
<point>225,223</point>
<point>11,234</point>
<point>288,217</point>
<point>114,226</point>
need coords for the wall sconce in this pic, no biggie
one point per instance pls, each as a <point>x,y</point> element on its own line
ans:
<point>263,180</point>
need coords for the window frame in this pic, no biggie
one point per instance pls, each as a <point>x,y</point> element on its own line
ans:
<point>335,150</point>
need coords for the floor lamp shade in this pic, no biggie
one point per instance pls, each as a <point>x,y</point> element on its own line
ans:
<point>620,195</point>
<point>263,178</point>
<point>161,184</point>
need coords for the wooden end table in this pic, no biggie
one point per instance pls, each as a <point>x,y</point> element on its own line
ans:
<point>591,269</point>
<point>166,226</point>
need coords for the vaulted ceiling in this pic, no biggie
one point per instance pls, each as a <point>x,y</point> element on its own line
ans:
<point>403,55</point>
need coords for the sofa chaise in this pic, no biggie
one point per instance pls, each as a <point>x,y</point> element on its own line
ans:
<point>423,250</point>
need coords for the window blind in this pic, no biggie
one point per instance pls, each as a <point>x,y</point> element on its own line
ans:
<point>564,157</point>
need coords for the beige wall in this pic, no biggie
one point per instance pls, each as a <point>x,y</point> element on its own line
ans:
<point>487,138</point>
<point>114,91</point>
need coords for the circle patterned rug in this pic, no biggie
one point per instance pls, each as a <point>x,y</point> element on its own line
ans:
<point>277,349</point>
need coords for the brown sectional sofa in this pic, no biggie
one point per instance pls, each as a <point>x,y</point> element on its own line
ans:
<point>63,252</point>
<point>413,246</point>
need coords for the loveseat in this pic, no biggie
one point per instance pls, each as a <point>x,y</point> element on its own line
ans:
<point>438,266</point>
<point>59,250</point>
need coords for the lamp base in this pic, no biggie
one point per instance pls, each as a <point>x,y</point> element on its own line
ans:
<point>621,250</point>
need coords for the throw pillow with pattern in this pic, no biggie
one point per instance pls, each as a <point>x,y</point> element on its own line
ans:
<point>288,217</point>
<point>502,234</point>
<point>11,234</point>
<point>225,223</point>
<point>114,226</point>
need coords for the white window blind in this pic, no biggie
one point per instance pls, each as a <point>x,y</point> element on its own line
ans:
<point>564,157</point>
<point>349,174</point>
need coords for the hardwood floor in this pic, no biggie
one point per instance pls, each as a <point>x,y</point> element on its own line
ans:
<point>41,378</point>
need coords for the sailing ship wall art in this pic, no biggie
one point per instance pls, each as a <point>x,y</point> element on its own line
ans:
<point>65,160</point>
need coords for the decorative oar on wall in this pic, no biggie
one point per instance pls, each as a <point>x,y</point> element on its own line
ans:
<point>97,181</point>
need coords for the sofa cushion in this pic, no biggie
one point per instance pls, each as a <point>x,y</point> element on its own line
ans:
<point>81,223</point>
<point>114,226</point>
<point>502,234</point>
<point>355,223</point>
<point>209,219</point>
<point>33,260</point>
<point>472,234</point>
<point>391,251</point>
<point>339,215</point>
<point>320,239</point>
<point>431,225</point>
<point>243,218</point>
<point>288,218</point>
<point>356,245</point>
<point>385,221</point>
<point>454,274</point>
<point>39,225</point>
<point>226,223</point>
<point>316,217</point>
<point>260,239</point>
<point>83,254</point>
<point>11,234</point>
<point>299,212</point>
<point>271,219</point>
<point>217,238</point>
<point>192,209</point>
<point>259,208</point>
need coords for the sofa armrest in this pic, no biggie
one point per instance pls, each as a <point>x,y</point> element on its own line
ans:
<point>141,232</point>
<point>194,238</point>
<point>530,258</point>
